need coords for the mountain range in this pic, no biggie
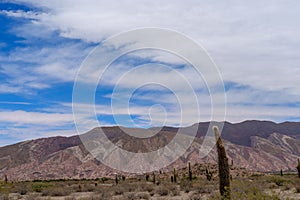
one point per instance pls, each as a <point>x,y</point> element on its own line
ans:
<point>253,145</point>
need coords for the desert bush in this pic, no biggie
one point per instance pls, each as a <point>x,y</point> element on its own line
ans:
<point>87,187</point>
<point>4,197</point>
<point>207,189</point>
<point>186,186</point>
<point>56,191</point>
<point>279,181</point>
<point>259,196</point>
<point>32,196</point>
<point>38,186</point>
<point>70,198</point>
<point>130,187</point>
<point>99,190</point>
<point>195,197</point>
<point>145,187</point>
<point>93,197</point>
<point>142,195</point>
<point>98,197</point>
<point>173,190</point>
<point>162,191</point>
<point>129,195</point>
<point>119,190</point>
<point>244,189</point>
<point>21,188</point>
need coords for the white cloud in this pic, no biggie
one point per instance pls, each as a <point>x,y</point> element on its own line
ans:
<point>22,14</point>
<point>31,68</point>
<point>7,88</point>
<point>254,43</point>
<point>20,125</point>
<point>20,117</point>
<point>16,134</point>
<point>15,102</point>
<point>176,80</point>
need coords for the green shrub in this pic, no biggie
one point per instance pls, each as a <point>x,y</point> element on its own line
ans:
<point>39,186</point>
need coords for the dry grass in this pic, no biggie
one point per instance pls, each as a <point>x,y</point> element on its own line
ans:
<point>56,192</point>
<point>251,187</point>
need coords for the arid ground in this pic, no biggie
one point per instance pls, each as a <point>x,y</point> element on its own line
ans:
<point>244,185</point>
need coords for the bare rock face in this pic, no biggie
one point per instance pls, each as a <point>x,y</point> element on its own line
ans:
<point>66,157</point>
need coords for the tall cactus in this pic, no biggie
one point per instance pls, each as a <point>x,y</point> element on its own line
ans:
<point>298,167</point>
<point>175,176</point>
<point>190,172</point>
<point>5,178</point>
<point>116,179</point>
<point>224,173</point>
<point>153,178</point>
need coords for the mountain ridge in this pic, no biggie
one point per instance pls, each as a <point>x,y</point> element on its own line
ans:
<point>66,157</point>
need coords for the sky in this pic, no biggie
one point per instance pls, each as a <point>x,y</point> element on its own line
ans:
<point>255,45</point>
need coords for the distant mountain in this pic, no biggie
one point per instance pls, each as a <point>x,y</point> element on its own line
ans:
<point>241,133</point>
<point>254,145</point>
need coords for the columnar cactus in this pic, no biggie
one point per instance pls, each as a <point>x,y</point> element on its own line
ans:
<point>190,172</point>
<point>153,178</point>
<point>5,178</point>
<point>116,179</point>
<point>224,173</point>
<point>298,167</point>
<point>174,175</point>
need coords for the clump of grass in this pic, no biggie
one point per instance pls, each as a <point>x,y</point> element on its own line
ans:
<point>32,196</point>
<point>88,187</point>
<point>162,191</point>
<point>4,197</point>
<point>142,195</point>
<point>186,186</point>
<point>39,186</point>
<point>144,187</point>
<point>119,190</point>
<point>129,195</point>
<point>244,189</point>
<point>54,191</point>
<point>21,188</point>
<point>279,181</point>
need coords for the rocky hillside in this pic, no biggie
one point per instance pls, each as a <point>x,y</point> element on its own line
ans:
<point>241,133</point>
<point>271,147</point>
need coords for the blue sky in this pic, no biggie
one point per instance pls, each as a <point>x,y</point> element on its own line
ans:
<point>256,46</point>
